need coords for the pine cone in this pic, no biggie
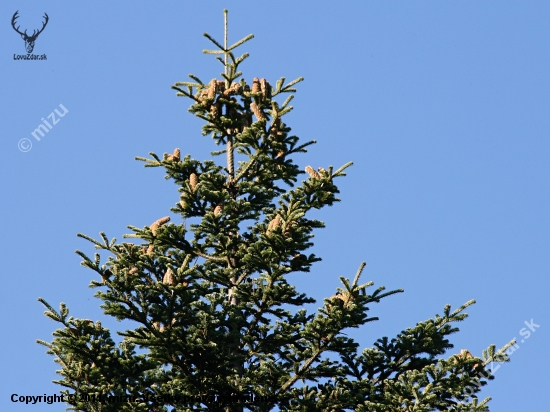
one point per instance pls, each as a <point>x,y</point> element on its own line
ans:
<point>193,181</point>
<point>175,157</point>
<point>273,224</point>
<point>214,110</point>
<point>346,298</point>
<point>212,89</point>
<point>169,278</point>
<point>234,89</point>
<point>312,172</point>
<point>176,154</point>
<point>266,89</point>
<point>257,112</point>
<point>256,85</point>
<point>158,224</point>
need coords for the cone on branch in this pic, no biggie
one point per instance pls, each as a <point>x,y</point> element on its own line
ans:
<point>273,224</point>
<point>265,89</point>
<point>193,181</point>
<point>175,157</point>
<point>211,92</point>
<point>169,278</point>
<point>257,111</point>
<point>256,86</point>
<point>311,171</point>
<point>234,89</point>
<point>158,223</point>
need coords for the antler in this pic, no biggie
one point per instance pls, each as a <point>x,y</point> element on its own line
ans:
<point>43,26</point>
<point>15,16</point>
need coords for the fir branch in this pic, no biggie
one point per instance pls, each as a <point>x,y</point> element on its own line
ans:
<point>300,372</point>
<point>249,164</point>
<point>214,41</point>
<point>243,40</point>
<point>213,258</point>
<point>192,76</point>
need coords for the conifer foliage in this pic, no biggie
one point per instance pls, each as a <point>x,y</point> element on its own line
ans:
<point>217,325</point>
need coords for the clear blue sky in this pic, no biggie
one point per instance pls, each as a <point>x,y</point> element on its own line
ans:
<point>442,106</point>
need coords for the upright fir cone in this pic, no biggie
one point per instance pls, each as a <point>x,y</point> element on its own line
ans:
<point>256,85</point>
<point>193,181</point>
<point>169,278</point>
<point>133,270</point>
<point>265,88</point>
<point>218,210</point>
<point>150,249</point>
<point>158,224</point>
<point>176,154</point>
<point>275,222</point>
<point>345,297</point>
<point>257,112</point>
<point>312,172</point>
<point>214,111</point>
<point>212,89</point>
<point>234,89</point>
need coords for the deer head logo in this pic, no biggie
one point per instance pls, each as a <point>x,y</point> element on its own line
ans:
<point>29,40</point>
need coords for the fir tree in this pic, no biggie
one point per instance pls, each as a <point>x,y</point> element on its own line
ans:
<point>218,327</point>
